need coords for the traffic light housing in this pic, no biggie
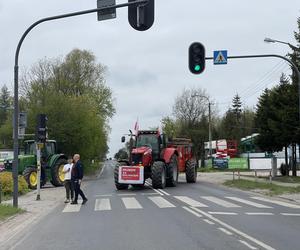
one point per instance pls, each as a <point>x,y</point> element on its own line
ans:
<point>141,17</point>
<point>41,128</point>
<point>196,58</point>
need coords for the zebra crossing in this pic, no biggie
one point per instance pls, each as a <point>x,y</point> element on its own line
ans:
<point>137,203</point>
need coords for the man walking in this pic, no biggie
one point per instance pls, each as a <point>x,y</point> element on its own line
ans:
<point>68,184</point>
<point>77,175</point>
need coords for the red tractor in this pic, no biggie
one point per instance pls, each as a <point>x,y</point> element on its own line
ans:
<point>151,157</point>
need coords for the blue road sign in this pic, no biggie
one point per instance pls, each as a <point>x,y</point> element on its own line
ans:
<point>220,57</point>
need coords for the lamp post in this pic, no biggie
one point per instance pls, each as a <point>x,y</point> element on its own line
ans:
<point>209,121</point>
<point>270,40</point>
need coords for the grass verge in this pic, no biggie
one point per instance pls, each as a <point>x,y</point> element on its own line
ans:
<point>93,168</point>
<point>268,188</point>
<point>8,210</point>
<point>213,170</point>
<point>288,179</point>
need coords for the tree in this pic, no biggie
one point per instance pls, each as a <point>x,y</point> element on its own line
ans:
<point>73,94</point>
<point>190,105</point>
<point>170,127</point>
<point>5,103</point>
<point>237,106</point>
<point>121,154</point>
<point>277,117</point>
<point>237,122</point>
<point>190,120</point>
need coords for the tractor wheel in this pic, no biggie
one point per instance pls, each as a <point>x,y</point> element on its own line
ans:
<point>119,186</point>
<point>158,174</point>
<point>172,172</point>
<point>30,175</point>
<point>57,174</point>
<point>191,171</point>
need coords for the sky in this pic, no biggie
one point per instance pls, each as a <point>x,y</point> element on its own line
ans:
<point>148,70</point>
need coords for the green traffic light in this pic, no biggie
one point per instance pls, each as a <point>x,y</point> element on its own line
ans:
<point>197,68</point>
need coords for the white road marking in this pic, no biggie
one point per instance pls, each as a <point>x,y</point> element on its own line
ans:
<point>131,203</point>
<point>155,190</point>
<point>161,202</point>
<point>69,208</point>
<point>287,214</point>
<point>192,212</point>
<point>103,195</point>
<point>149,193</point>
<point>209,222</point>
<point>258,242</point>
<point>222,213</point>
<point>251,203</point>
<point>224,231</point>
<point>247,244</point>
<point>220,202</point>
<point>164,192</point>
<point>102,205</point>
<point>127,194</point>
<point>190,202</point>
<point>259,213</point>
<point>281,203</point>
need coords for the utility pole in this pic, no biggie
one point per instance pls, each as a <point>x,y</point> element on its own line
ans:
<point>16,77</point>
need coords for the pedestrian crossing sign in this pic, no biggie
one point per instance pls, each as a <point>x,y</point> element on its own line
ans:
<point>220,57</point>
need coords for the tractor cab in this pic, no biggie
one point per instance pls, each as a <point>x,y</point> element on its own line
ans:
<point>148,145</point>
<point>48,150</point>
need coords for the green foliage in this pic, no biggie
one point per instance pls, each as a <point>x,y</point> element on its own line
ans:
<point>170,127</point>
<point>121,154</point>
<point>5,103</point>
<point>237,122</point>
<point>5,118</point>
<point>73,94</point>
<point>92,168</point>
<point>6,181</point>
<point>277,117</point>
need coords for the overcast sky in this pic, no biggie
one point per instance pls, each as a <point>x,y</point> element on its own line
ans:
<point>147,70</point>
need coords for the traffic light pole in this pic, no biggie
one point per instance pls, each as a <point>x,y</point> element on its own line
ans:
<point>283,58</point>
<point>16,80</point>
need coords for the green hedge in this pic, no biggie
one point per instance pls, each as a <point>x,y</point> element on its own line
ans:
<point>6,182</point>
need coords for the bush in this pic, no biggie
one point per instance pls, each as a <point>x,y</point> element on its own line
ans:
<point>91,168</point>
<point>6,182</point>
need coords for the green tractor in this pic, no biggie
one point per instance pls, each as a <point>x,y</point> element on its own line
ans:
<point>52,164</point>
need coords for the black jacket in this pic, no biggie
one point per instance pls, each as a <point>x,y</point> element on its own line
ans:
<point>77,171</point>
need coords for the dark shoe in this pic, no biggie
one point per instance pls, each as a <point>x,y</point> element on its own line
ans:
<point>74,202</point>
<point>84,201</point>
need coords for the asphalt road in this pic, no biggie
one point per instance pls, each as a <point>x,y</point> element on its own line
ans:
<point>189,216</point>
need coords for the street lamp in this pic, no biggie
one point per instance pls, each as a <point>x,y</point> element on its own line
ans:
<point>270,40</point>
<point>209,120</point>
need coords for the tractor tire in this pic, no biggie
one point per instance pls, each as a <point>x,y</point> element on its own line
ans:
<point>118,185</point>
<point>172,169</point>
<point>158,174</point>
<point>30,175</point>
<point>57,175</point>
<point>191,171</point>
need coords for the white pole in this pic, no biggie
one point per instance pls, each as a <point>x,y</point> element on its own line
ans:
<point>38,163</point>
